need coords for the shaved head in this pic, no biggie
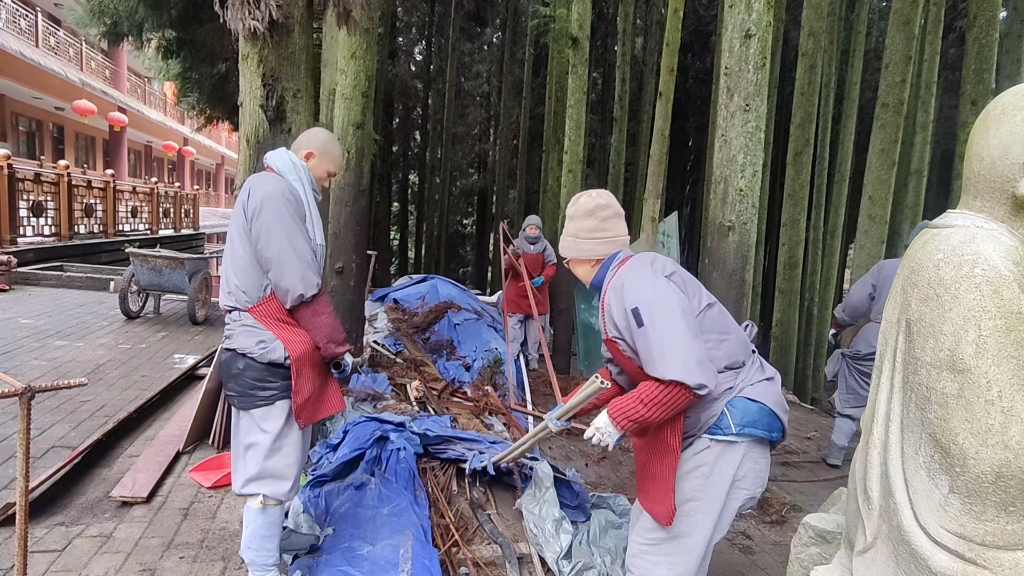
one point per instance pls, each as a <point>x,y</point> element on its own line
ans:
<point>323,154</point>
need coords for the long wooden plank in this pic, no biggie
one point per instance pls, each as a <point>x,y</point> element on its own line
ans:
<point>202,420</point>
<point>138,484</point>
<point>40,483</point>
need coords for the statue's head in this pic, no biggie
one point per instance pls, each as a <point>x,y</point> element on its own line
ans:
<point>993,175</point>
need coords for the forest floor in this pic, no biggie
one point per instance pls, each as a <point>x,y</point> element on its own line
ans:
<point>187,530</point>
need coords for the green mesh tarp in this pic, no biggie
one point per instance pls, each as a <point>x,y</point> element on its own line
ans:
<point>588,328</point>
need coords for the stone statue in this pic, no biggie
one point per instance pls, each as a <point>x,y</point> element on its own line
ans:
<point>937,484</point>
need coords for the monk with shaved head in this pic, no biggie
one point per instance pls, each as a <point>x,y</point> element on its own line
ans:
<point>284,348</point>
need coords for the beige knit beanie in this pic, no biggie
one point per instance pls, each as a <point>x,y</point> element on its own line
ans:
<point>595,227</point>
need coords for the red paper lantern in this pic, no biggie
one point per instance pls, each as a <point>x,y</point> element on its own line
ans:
<point>170,147</point>
<point>117,120</point>
<point>188,151</point>
<point>84,109</point>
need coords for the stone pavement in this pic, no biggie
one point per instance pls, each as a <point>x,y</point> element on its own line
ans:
<point>183,530</point>
<point>52,333</point>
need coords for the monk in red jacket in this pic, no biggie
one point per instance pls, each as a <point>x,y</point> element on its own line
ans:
<point>538,258</point>
<point>702,408</point>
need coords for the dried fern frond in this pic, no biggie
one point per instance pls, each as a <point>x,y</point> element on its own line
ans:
<point>247,16</point>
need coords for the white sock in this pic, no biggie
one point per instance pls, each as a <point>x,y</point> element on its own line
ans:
<point>261,539</point>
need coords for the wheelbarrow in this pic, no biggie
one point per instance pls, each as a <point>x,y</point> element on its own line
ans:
<point>158,272</point>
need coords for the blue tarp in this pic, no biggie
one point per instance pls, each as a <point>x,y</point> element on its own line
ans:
<point>364,492</point>
<point>475,331</point>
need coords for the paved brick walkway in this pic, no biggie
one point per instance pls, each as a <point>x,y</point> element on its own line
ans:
<point>50,333</point>
<point>183,530</point>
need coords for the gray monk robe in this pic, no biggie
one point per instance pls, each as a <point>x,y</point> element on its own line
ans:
<point>268,252</point>
<point>851,367</point>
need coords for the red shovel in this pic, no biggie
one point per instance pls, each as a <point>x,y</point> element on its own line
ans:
<point>214,472</point>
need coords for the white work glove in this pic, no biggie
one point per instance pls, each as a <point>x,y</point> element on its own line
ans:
<point>602,432</point>
<point>832,336</point>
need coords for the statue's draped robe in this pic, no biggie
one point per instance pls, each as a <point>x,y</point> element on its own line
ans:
<point>937,484</point>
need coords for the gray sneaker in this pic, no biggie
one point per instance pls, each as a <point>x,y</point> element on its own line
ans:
<point>834,455</point>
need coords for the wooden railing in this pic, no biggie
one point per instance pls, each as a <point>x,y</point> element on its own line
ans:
<point>30,26</point>
<point>42,201</point>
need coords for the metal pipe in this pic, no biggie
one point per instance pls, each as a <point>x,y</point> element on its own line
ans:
<point>587,392</point>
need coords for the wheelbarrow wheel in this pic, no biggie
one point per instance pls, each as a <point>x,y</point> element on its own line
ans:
<point>132,298</point>
<point>200,293</point>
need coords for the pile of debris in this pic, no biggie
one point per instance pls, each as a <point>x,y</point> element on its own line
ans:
<point>405,468</point>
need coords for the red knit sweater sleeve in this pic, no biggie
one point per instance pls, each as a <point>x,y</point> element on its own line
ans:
<point>649,404</point>
<point>602,399</point>
<point>549,272</point>
<point>317,318</point>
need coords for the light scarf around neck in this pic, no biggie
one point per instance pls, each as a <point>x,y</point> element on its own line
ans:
<point>288,166</point>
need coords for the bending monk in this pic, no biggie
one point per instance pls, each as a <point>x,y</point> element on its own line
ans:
<point>700,405</point>
<point>936,485</point>
<point>850,368</point>
<point>281,334</point>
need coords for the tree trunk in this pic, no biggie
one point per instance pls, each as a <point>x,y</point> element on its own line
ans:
<point>836,220</point>
<point>778,29</point>
<point>554,117</point>
<point>381,224</point>
<point>351,79</point>
<point>506,117</point>
<point>653,38</point>
<point>575,130</point>
<point>620,121</point>
<point>1010,64</point>
<point>657,165</point>
<point>444,193</point>
<point>275,85</point>
<point>908,206</point>
<point>799,159</point>
<point>979,69</point>
<point>886,134</point>
<point>808,380</point>
<point>423,175</point>
<point>519,200</point>
<point>404,152</point>
<point>733,173</point>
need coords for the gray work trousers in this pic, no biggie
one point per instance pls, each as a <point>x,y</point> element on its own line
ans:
<point>522,327</point>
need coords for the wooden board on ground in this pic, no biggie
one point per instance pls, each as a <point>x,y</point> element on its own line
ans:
<point>54,333</point>
<point>206,409</point>
<point>138,484</point>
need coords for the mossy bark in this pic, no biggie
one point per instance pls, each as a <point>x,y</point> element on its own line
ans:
<point>796,191</point>
<point>886,136</point>
<point>733,179</point>
<point>1010,63</point>
<point>575,145</point>
<point>657,164</point>
<point>808,381</point>
<point>276,86</point>
<point>620,119</point>
<point>653,37</point>
<point>778,29</point>
<point>554,116</point>
<point>977,77</point>
<point>351,79</point>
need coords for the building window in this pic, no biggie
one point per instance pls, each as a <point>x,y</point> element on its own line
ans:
<point>57,142</point>
<point>134,163</point>
<point>158,170</point>
<point>85,150</point>
<point>172,171</point>
<point>231,186</point>
<point>106,155</point>
<point>28,141</point>
<point>209,180</point>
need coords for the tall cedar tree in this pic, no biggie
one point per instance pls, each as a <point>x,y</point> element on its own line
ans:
<point>657,164</point>
<point>275,69</point>
<point>800,157</point>
<point>347,88</point>
<point>886,136</point>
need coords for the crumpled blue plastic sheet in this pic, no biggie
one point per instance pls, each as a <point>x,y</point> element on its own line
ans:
<point>364,492</point>
<point>370,383</point>
<point>476,331</point>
